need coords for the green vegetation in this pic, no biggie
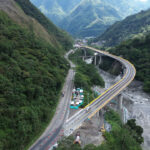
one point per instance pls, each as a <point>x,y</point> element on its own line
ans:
<point>90,18</point>
<point>137,131</point>
<point>67,144</point>
<point>137,51</point>
<point>110,65</point>
<point>121,137</point>
<point>86,18</point>
<point>86,76</point>
<point>133,26</point>
<point>62,37</point>
<point>31,76</point>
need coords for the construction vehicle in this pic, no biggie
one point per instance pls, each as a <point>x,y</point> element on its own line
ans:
<point>77,140</point>
<point>102,129</point>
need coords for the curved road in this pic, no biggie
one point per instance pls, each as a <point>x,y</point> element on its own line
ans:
<point>60,126</point>
<point>54,131</point>
<point>76,120</point>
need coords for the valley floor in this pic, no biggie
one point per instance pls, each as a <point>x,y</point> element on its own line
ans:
<point>137,103</point>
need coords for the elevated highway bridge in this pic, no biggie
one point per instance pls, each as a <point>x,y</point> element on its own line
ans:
<point>59,126</point>
<point>77,119</point>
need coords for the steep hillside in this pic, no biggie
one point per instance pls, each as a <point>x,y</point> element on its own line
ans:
<point>61,37</point>
<point>51,9</point>
<point>90,18</point>
<point>128,7</point>
<point>56,10</point>
<point>138,52</point>
<point>30,17</point>
<point>70,5</point>
<point>32,72</point>
<point>132,26</point>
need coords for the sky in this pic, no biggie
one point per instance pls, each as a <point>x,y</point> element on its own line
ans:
<point>143,0</point>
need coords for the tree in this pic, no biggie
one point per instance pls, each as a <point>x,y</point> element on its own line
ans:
<point>67,144</point>
<point>136,130</point>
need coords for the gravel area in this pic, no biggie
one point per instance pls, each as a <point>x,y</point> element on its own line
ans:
<point>90,132</point>
<point>137,103</point>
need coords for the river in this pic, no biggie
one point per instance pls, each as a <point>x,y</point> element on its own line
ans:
<point>136,104</point>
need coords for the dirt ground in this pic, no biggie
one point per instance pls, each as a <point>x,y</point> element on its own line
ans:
<point>135,101</point>
<point>90,132</point>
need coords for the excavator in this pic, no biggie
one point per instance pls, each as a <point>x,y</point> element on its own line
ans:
<point>103,129</point>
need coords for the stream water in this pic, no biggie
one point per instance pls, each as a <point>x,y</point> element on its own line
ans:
<point>136,104</point>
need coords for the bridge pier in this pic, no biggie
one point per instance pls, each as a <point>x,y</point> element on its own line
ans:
<point>79,118</point>
<point>120,98</point>
<point>97,59</point>
<point>100,59</point>
<point>120,106</point>
<point>84,56</point>
<point>95,54</point>
<point>101,116</point>
<point>85,52</point>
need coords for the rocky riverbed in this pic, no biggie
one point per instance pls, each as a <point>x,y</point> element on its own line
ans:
<point>90,130</point>
<point>137,104</point>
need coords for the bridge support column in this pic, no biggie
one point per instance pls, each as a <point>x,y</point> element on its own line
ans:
<point>101,116</point>
<point>100,59</point>
<point>120,97</point>
<point>85,52</point>
<point>95,60</point>
<point>84,56</point>
<point>95,54</point>
<point>120,106</point>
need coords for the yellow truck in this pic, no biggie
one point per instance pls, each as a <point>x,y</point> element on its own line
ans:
<point>102,129</point>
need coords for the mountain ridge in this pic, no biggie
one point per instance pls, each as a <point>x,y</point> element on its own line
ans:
<point>131,27</point>
<point>18,15</point>
<point>94,14</point>
<point>121,7</point>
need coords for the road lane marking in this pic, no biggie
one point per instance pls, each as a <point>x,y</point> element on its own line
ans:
<point>124,62</point>
<point>115,83</point>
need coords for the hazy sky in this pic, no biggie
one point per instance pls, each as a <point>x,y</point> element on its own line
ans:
<point>143,0</point>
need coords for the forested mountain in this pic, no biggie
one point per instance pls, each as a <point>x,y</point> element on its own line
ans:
<point>56,10</point>
<point>32,71</point>
<point>137,51</point>
<point>128,7</point>
<point>88,17</point>
<point>133,26</point>
<point>31,18</point>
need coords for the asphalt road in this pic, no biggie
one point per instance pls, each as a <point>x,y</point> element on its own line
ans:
<point>59,125</point>
<point>55,130</point>
<point>77,119</point>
